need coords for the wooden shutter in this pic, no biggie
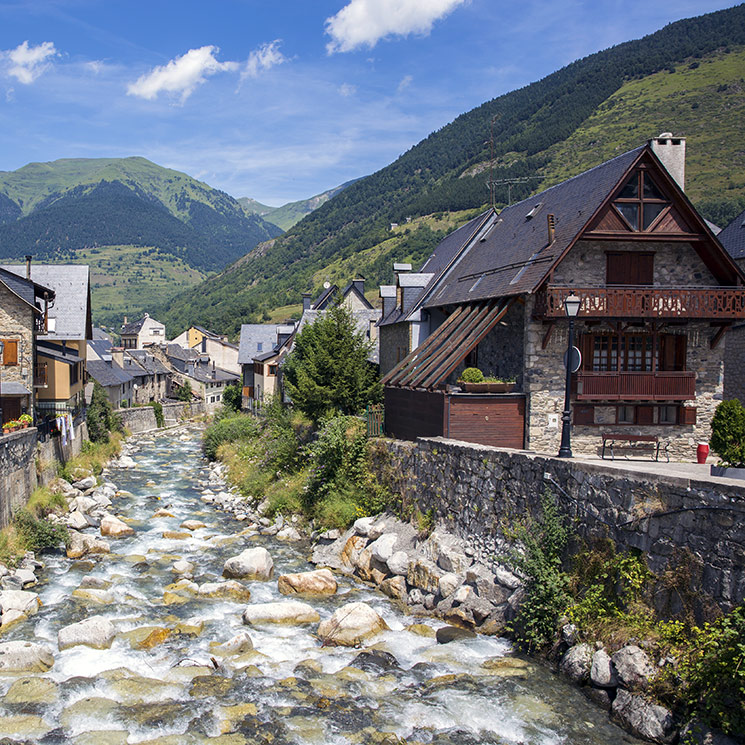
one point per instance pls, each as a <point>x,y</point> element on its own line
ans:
<point>629,268</point>
<point>687,415</point>
<point>644,415</point>
<point>586,347</point>
<point>584,414</point>
<point>10,352</point>
<point>672,352</point>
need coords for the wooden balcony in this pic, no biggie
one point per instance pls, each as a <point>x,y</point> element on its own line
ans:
<point>40,375</point>
<point>636,386</point>
<point>646,301</point>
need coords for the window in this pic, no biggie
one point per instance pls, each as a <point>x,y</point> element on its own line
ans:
<point>626,415</point>
<point>10,352</point>
<point>74,373</point>
<point>629,268</point>
<point>668,414</point>
<point>640,202</point>
<point>272,369</point>
<point>633,352</point>
<point>260,346</point>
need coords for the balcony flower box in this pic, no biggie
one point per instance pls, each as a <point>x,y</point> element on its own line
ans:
<point>487,387</point>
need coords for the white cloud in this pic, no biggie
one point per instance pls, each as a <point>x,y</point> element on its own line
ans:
<point>406,81</point>
<point>27,63</point>
<point>365,22</point>
<point>263,58</point>
<point>182,75</point>
<point>346,90</point>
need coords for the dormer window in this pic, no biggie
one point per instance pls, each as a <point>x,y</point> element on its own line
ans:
<point>640,202</point>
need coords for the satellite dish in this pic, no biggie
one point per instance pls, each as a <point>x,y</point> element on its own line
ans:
<point>326,285</point>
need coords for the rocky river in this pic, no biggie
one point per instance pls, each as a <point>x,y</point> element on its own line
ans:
<point>177,653</point>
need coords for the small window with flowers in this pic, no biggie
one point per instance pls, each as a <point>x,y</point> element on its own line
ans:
<point>640,202</point>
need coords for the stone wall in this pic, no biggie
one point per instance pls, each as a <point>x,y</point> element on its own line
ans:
<point>17,471</point>
<point>16,324</point>
<point>734,360</point>
<point>692,530</point>
<point>395,344</point>
<point>142,418</point>
<point>52,451</point>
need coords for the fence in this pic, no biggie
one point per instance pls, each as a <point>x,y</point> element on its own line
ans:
<point>375,420</point>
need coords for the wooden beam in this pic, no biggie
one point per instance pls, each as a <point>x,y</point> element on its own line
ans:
<point>547,335</point>
<point>718,337</point>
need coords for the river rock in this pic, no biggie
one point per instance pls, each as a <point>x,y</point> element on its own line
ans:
<point>577,662</point>
<point>398,563</point>
<point>449,583</point>
<point>253,563</point>
<point>286,611</point>
<point>382,548</point>
<point>394,587</point>
<point>350,625</point>
<point>192,525</point>
<point>114,527</point>
<point>87,483</point>
<point>24,657</point>
<point>59,486</point>
<point>239,644</point>
<point>183,567</point>
<point>633,667</point>
<point>318,583</point>
<point>602,673</point>
<point>351,551</point>
<point>229,590</point>
<point>96,631</point>
<point>81,544</point>
<point>19,600</point>
<point>83,504</point>
<point>362,525</point>
<point>92,595</point>
<point>31,691</point>
<point>643,718</point>
<point>447,634</point>
<point>76,520</point>
<point>425,575</point>
<point>125,461</point>
<point>10,618</point>
<point>162,512</point>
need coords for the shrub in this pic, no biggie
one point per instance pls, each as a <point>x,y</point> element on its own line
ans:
<point>39,534</point>
<point>231,429</point>
<point>728,432</point>
<point>100,415</point>
<point>183,392</point>
<point>472,375</point>
<point>232,396</point>
<point>158,411</point>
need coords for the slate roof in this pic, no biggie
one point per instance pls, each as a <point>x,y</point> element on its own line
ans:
<point>204,373</point>
<point>100,334</point>
<point>180,353</point>
<point>27,290</point>
<point>324,298</point>
<point>513,256</point>
<point>101,347</point>
<point>71,308</point>
<point>107,374</point>
<point>14,388</point>
<point>148,361</point>
<point>58,352</point>
<point>733,237</point>
<point>133,327</point>
<point>362,319</point>
<point>253,334</point>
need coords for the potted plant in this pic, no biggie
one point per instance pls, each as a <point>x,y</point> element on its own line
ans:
<point>472,380</point>
<point>728,439</point>
<point>25,420</point>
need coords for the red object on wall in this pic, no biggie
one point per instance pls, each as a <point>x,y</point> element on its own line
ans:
<point>702,452</point>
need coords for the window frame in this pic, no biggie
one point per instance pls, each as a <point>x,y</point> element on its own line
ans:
<point>640,200</point>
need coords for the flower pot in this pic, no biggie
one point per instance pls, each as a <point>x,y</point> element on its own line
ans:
<point>487,387</point>
<point>702,452</point>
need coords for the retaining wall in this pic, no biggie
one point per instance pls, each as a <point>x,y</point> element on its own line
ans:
<point>52,452</point>
<point>142,418</point>
<point>691,532</point>
<point>17,471</point>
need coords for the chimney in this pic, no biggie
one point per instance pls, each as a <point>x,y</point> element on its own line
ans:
<point>399,268</point>
<point>306,301</point>
<point>551,220</point>
<point>28,266</point>
<point>117,356</point>
<point>359,285</point>
<point>672,154</point>
<point>125,321</point>
<point>388,296</point>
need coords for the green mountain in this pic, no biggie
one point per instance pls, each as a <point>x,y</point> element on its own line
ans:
<point>77,210</point>
<point>291,213</point>
<point>685,78</point>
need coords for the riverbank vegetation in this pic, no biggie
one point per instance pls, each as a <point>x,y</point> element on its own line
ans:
<point>613,599</point>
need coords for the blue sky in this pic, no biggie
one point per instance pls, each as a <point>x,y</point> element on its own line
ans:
<point>279,100</point>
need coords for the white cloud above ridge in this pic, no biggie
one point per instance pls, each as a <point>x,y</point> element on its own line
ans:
<point>27,63</point>
<point>182,75</point>
<point>363,23</point>
<point>262,59</point>
<point>347,89</point>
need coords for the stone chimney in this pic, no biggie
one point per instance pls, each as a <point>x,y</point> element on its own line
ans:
<point>672,153</point>
<point>28,266</point>
<point>388,296</point>
<point>306,301</point>
<point>359,285</point>
<point>117,356</point>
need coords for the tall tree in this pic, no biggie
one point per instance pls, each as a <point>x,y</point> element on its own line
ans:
<point>328,369</point>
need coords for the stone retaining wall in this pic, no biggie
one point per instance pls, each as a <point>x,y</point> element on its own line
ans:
<point>17,471</point>
<point>691,532</point>
<point>142,418</point>
<point>52,452</point>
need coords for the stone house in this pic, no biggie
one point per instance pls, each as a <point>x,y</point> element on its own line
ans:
<point>222,352</point>
<point>657,294</point>
<point>257,340</point>
<point>23,316</point>
<point>138,334</point>
<point>61,347</point>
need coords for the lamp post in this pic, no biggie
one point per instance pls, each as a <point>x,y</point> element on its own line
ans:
<point>2,359</point>
<point>571,308</point>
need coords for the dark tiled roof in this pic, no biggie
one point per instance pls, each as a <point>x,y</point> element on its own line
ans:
<point>101,347</point>
<point>133,327</point>
<point>179,353</point>
<point>26,289</point>
<point>58,352</point>
<point>148,361</point>
<point>107,374</point>
<point>514,256</point>
<point>733,237</point>
<point>100,334</point>
<point>324,298</point>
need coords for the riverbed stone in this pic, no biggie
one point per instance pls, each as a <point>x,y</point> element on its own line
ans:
<point>85,483</point>
<point>449,583</point>
<point>351,624</point>
<point>76,520</point>
<point>424,574</point>
<point>10,618</point>
<point>32,691</point>
<point>238,644</point>
<point>577,662</point>
<point>633,667</point>
<point>394,587</point>
<point>183,567</point>
<point>113,527</point>
<point>398,563</point>
<point>318,583</point>
<point>25,657</point>
<point>125,461</point>
<point>147,637</point>
<point>210,686</point>
<point>285,611</point>
<point>176,535</point>
<point>382,548</point>
<point>82,544</point>
<point>362,525</point>
<point>602,672</point>
<point>643,718</point>
<point>93,595</point>
<point>228,590</point>
<point>96,631</point>
<point>192,525</point>
<point>20,600</point>
<point>253,563</point>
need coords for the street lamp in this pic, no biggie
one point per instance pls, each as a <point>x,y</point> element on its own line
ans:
<point>2,359</point>
<point>571,308</point>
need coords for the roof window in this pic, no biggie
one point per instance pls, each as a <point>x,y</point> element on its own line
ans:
<point>534,211</point>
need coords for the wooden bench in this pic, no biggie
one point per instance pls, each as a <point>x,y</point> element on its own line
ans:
<point>612,440</point>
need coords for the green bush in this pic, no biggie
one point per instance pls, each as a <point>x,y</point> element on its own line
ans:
<point>231,429</point>
<point>472,375</point>
<point>38,534</point>
<point>232,396</point>
<point>100,416</point>
<point>728,432</point>
<point>158,411</point>
<point>183,392</point>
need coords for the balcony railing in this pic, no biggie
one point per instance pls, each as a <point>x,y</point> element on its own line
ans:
<point>636,386</point>
<point>624,301</point>
<point>40,375</point>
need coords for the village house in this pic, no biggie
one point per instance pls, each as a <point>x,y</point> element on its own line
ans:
<point>139,334</point>
<point>256,340</point>
<point>61,347</point>
<point>656,293</point>
<point>23,316</point>
<point>222,352</point>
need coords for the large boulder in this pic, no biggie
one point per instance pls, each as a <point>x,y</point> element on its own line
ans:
<point>633,667</point>
<point>228,590</point>
<point>643,718</point>
<point>287,611</point>
<point>350,625</point>
<point>83,504</point>
<point>253,563</point>
<point>96,631</point>
<point>577,662</point>
<point>19,600</point>
<point>86,483</point>
<point>602,673</point>
<point>317,583</point>
<point>114,527</point>
<point>60,486</point>
<point>24,657</point>
<point>81,544</point>
<point>382,548</point>
<point>77,520</point>
<point>398,563</point>
<point>425,575</point>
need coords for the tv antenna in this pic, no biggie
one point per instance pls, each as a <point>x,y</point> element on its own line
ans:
<point>500,182</point>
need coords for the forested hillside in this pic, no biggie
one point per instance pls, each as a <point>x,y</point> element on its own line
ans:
<point>533,130</point>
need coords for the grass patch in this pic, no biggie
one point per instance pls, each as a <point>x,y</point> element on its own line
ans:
<point>93,457</point>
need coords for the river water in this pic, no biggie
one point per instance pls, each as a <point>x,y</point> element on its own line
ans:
<point>158,683</point>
